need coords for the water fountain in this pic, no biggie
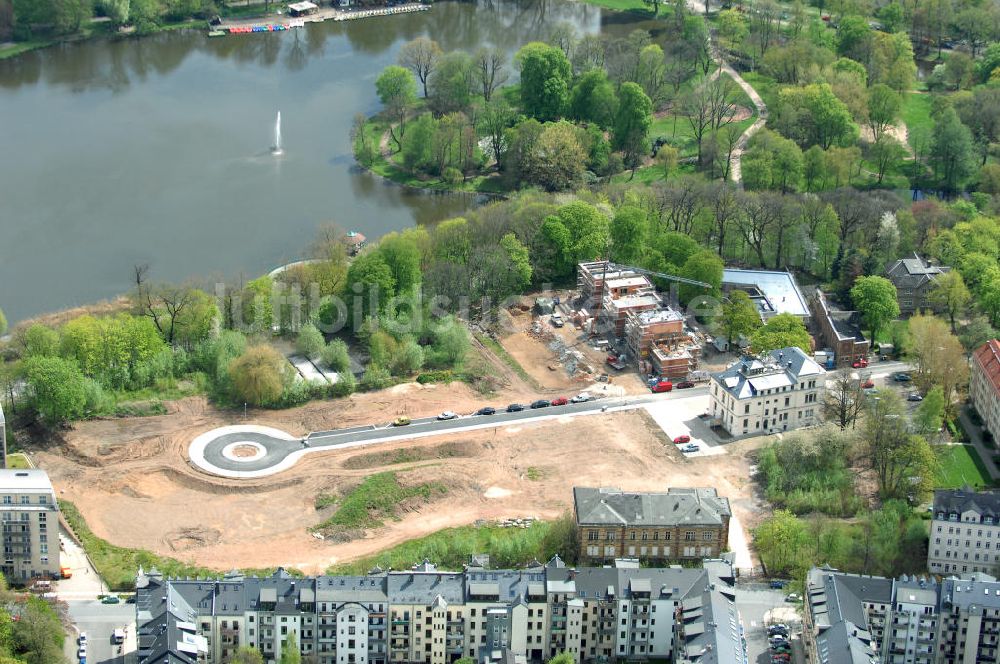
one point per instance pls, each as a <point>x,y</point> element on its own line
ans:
<point>276,148</point>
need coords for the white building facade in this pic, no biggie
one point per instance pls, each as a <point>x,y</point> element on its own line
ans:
<point>965,532</point>
<point>779,391</point>
<point>30,517</point>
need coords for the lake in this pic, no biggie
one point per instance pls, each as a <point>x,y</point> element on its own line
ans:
<point>155,149</point>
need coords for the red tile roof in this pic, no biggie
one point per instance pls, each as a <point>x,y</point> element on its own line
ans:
<point>988,357</point>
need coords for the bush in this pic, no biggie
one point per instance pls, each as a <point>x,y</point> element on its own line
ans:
<point>335,356</point>
<point>440,376</point>
<point>309,341</point>
<point>259,376</point>
<point>452,175</point>
<point>376,378</point>
<point>345,385</point>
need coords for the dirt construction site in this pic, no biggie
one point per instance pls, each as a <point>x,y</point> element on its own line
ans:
<point>132,480</point>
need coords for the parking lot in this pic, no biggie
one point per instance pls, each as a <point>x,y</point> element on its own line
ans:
<point>760,606</point>
<point>685,417</point>
<point>99,621</point>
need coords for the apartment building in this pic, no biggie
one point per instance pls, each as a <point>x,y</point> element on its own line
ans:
<point>3,439</point>
<point>678,524</point>
<point>914,278</point>
<point>30,525</point>
<point>984,385</point>
<point>854,619</point>
<point>965,532</point>
<point>431,616</point>
<point>778,391</point>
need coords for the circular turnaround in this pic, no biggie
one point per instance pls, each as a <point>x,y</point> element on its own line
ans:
<point>244,451</point>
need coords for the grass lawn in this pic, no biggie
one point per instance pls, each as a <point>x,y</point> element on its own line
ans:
<point>451,548</point>
<point>624,6</point>
<point>374,500</point>
<point>18,461</point>
<point>917,116</point>
<point>961,465</point>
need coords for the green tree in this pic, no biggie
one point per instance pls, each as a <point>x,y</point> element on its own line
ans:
<point>37,340</point>
<point>375,377</point>
<point>951,154</point>
<point>780,541</point>
<point>593,99</point>
<point>884,105</point>
<point>545,80</point>
<point>557,159</point>
<point>875,298</point>
<point>370,284</point>
<point>335,356</point>
<point>309,341</point>
<point>451,83</point>
<point>290,651</point>
<point>401,253</point>
<point>813,115</point>
<point>705,266</point>
<point>247,655</point>
<point>891,16</point>
<point>950,295</point>
<point>519,261</point>
<point>450,343</point>
<point>738,317</point>
<point>854,37</point>
<point>562,658</point>
<point>628,234</point>
<point>3,323</point>
<point>38,634</point>
<point>781,331</point>
<point>892,61</point>
<point>632,122</point>
<point>897,456</point>
<point>397,90</point>
<point>886,152</point>
<point>929,415</point>
<point>259,376</point>
<point>57,386</point>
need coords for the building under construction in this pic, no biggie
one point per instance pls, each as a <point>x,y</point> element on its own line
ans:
<point>658,340</point>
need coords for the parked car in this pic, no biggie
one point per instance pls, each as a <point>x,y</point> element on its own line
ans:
<point>401,421</point>
<point>777,583</point>
<point>902,377</point>
<point>860,364</point>
<point>110,599</point>
<point>914,396</point>
<point>582,397</point>
<point>662,386</point>
<point>793,597</point>
<point>690,447</point>
<point>541,403</point>
<point>684,385</point>
<point>447,415</point>
<point>82,639</point>
<point>556,320</point>
<point>868,384</point>
<point>680,440</point>
<point>515,408</point>
<point>486,410</point>
<point>560,401</point>
<point>780,629</point>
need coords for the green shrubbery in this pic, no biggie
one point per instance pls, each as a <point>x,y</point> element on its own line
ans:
<point>368,504</point>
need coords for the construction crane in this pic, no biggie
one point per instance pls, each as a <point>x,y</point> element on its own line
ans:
<point>659,275</point>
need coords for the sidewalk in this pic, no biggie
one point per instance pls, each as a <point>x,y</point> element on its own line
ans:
<point>976,439</point>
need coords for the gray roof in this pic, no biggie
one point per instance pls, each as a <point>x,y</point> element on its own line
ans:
<point>24,480</point>
<point>506,585</point>
<point>970,595</point>
<point>712,632</point>
<point>604,583</point>
<point>836,601</point>
<point>675,507</point>
<point>963,500</point>
<point>425,587</point>
<point>161,612</point>
<point>778,287</point>
<point>913,272</point>
<point>782,367</point>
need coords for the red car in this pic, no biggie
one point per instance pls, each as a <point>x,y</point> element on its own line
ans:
<point>680,440</point>
<point>662,386</point>
<point>860,364</point>
<point>868,384</point>
<point>684,384</point>
<point>560,401</point>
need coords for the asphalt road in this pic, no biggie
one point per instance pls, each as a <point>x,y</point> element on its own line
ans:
<point>277,449</point>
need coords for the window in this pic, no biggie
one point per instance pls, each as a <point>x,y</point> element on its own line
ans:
<point>708,535</point>
<point>689,536</point>
<point>25,500</point>
<point>591,536</point>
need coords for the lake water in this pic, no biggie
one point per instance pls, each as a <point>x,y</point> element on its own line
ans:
<point>155,149</point>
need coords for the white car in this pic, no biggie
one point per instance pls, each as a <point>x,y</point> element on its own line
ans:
<point>690,447</point>
<point>582,397</point>
<point>447,415</point>
<point>82,639</point>
<point>82,652</point>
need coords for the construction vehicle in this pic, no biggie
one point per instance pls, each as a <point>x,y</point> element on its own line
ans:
<point>65,573</point>
<point>616,361</point>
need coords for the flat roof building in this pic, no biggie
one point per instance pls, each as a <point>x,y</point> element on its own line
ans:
<point>30,530</point>
<point>773,291</point>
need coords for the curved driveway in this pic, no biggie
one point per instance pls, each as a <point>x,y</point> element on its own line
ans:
<point>283,451</point>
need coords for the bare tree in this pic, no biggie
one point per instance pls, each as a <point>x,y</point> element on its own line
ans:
<point>164,305</point>
<point>844,401</point>
<point>421,57</point>
<point>490,70</point>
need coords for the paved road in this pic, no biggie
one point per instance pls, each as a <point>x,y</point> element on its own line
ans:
<point>757,604</point>
<point>281,454</point>
<point>98,621</point>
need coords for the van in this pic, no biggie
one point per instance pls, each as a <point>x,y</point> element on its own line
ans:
<point>118,636</point>
<point>662,386</point>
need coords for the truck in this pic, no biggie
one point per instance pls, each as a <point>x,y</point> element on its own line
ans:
<point>616,361</point>
<point>118,636</point>
<point>65,573</point>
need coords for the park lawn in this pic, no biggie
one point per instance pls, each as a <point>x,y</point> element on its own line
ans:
<point>917,116</point>
<point>623,5</point>
<point>765,86</point>
<point>961,466</point>
<point>896,330</point>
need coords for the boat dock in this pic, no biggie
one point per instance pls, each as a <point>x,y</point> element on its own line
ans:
<point>320,14</point>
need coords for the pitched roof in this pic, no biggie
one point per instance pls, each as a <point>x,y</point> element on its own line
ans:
<point>913,272</point>
<point>750,375</point>
<point>836,602</point>
<point>675,507</point>
<point>960,501</point>
<point>987,357</point>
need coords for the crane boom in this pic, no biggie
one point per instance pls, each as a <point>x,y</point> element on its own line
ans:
<point>661,275</point>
